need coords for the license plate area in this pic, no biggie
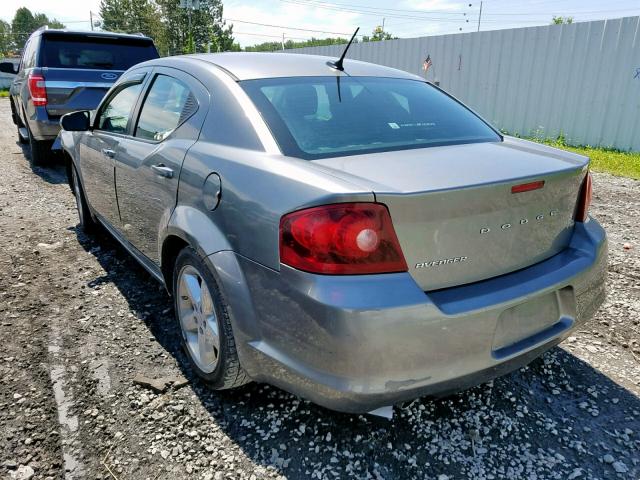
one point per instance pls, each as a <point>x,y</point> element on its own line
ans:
<point>533,322</point>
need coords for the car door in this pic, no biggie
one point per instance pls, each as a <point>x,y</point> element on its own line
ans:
<point>148,163</point>
<point>99,147</point>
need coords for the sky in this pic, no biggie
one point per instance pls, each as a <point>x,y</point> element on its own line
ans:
<point>302,19</point>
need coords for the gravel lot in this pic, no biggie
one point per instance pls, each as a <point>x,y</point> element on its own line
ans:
<point>79,320</point>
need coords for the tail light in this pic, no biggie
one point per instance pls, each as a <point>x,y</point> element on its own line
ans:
<point>341,239</point>
<point>37,90</point>
<point>584,200</point>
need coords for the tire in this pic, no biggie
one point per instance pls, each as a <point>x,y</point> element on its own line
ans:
<point>86,221</point>
<point>214,360</point>
<point>21,139</point>
<point>40,151</point>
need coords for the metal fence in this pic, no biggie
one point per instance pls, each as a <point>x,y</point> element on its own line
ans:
<point>580,80</point>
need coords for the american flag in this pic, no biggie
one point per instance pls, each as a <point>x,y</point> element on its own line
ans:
<point>427,63</point>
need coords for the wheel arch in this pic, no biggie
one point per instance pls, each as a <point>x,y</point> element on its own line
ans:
<point>188,226</point>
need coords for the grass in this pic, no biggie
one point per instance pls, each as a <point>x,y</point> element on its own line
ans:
<point>615,162</point>
<point>4,93</point>
<point>607,160</point>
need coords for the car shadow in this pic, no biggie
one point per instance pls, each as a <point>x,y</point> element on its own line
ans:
<point>54,172</point>
<point>556,418</point>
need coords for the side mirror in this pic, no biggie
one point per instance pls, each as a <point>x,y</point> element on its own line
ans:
<point>75,121</point>
<point>8,67</point>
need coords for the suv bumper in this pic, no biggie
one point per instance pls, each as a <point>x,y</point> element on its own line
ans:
<point>41,126</point>
<point>356,343</point>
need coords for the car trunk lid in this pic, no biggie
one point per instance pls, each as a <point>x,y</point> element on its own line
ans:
<point>454,211</point>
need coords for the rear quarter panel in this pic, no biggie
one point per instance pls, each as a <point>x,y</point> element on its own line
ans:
<point>257,189</point>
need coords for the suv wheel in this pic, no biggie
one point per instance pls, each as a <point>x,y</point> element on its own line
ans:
<point>87,223</point>
<point>203,320</point>
<point>40,151</point>
<point>21,138</point>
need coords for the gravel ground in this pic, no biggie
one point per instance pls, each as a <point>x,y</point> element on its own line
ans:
<point>80,320</point>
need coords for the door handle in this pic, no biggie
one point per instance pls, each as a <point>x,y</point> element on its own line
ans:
<point>162,170</point>
<point>108,153</point>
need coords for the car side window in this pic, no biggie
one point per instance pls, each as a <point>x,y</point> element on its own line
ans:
<point>28,56</point>
<point>168,104</point>
<point>115,115</point>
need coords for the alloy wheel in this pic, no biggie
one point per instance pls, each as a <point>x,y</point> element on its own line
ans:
<point>198,320</point>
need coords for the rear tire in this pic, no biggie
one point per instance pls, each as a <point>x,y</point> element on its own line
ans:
<point>86,221</point>
<point>203,320</point>
<point>40,151</point>
<point>21,139</point>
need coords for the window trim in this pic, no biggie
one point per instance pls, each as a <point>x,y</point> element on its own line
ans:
<point>136,79</point>
<point>143,101</point>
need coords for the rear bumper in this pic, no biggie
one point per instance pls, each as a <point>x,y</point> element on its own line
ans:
<point>42,126</point>
<point>357,343</point>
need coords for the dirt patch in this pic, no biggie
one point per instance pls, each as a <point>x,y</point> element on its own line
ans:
<point>80,320</point>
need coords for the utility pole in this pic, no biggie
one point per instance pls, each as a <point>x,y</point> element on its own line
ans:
<point>480,16</point>
<point>91,19</point>
<point>282,40</point>
<point>190,5</point>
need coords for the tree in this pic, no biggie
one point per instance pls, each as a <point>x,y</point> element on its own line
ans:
<point>313,42</point>
<point>208,30</point>
<point>378,35</point>
<point>5,38</point>
<point>40,20</point>
<point>24,23</point>
<point>561,20</point>
<point>132,16</point>
<point>22,26</point>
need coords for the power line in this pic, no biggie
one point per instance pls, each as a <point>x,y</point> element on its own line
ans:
<point>382,11</point>
<point>287,28</point>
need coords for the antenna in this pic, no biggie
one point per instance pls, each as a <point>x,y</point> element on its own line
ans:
<point>338,64</point>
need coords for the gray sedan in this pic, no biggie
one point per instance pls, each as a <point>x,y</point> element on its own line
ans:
<point>353,235</point>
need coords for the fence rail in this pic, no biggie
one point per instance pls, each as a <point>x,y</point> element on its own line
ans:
<point>580,80</point>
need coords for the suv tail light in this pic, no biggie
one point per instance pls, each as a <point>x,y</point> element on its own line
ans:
<point>584,200</point>
<point>37,90</point>
<point>341,239</point>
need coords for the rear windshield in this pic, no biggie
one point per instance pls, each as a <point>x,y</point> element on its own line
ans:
<point>95,53</point>
<point>319,117</point>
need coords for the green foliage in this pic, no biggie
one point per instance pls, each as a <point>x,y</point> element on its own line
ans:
<point>168,24</point>
<point>5,38</point>
<point>24,23</point>
<point>615,162</point>
<point>208,29</point>
<point>313,42</point>
<point>132,16</point>
<point>378,35</point>
<point>560,20</point>
<point>608,160</point>
<point>22,26</point>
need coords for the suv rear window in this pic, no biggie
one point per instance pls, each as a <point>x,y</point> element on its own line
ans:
<point>95,53</point>
<point>319,117</point>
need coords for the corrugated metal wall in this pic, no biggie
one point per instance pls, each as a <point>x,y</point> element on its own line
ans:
<point>581,80</point>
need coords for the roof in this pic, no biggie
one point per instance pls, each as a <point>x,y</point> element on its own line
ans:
<point>253,65</point>
<point>89,33</point>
